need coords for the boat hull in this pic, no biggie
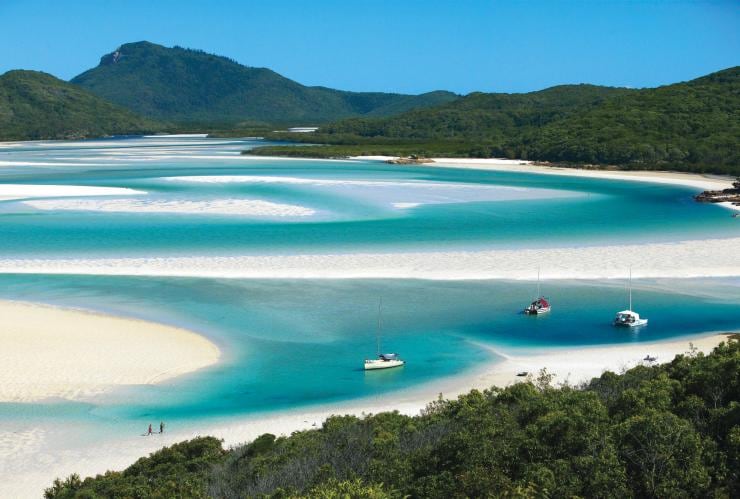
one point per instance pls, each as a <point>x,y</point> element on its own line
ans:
<point>536,311</point>
<point>371,365</point>
<point>637,323</point>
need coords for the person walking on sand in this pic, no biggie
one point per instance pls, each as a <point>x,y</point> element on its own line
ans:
<point>161,427</point>
<point>149,432</point>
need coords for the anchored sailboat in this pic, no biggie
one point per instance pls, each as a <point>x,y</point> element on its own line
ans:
<point>540,305</point>
<point>629,318</point>
<point>384,360</point>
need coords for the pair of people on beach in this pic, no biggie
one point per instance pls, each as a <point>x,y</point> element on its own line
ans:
<point>161,428</point>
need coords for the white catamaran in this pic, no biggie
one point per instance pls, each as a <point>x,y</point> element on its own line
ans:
<point>629,318</point>
<point>384,360</point>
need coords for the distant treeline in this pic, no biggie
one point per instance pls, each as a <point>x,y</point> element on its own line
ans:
<point>654,431</point>
<point>692,126</point>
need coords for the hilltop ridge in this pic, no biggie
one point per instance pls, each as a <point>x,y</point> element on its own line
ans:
<point>186,85</point>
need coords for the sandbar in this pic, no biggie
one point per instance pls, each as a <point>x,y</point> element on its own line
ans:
<point>72,354</point>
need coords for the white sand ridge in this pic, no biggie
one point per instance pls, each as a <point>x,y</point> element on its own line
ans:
<point>24,191</point>
<point>703,258</point>
<point>229,206</point>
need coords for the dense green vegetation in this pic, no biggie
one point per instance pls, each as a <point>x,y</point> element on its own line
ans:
<point>319,145</point>
<point>36,105</point>
<point>692,126</point>
<point>183,85</point>
<point>655,431</point>
<point>176,471</point>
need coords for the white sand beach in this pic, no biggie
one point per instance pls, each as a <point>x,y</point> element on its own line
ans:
<point>704,258</point>
<point>234,207</point>
<point>700,181</point>
<point>24,191</point>
<point>65,353</point>
<point>30,456</point>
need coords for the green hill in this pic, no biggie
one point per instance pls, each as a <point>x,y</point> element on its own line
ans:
<point>693,126</point>
<point>671,430</point>
<point>481,116</point>
<point>36,105</point>
<point>191,86</point>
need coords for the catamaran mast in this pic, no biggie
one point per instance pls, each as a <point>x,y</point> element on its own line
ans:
<point>538,284</point>
<point>630,308</point>
<point>380,325</point>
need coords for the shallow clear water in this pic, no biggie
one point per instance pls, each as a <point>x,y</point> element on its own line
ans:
<point>290,343</point>
<point>349,217</point>
<point>299,342</point>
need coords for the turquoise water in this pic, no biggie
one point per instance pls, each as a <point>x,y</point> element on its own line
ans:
<point>571,210</point>
<point>291,343</point>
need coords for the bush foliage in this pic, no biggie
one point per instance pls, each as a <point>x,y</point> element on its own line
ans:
<point>654,431</point>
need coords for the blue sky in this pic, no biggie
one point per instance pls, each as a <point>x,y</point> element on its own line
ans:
<point>403,45</point>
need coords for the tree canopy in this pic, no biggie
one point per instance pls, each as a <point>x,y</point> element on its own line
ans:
<point>690,126</point>
<point>671,430</point>
<point>35,105</point>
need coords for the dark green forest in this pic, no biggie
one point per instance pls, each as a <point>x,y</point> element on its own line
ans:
<point>191,86</point>
<point>668,431</point>
<point>692,126</point>
<point>35,105</point>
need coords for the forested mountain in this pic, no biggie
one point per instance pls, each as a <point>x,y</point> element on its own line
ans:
<point>655,431</point>
<point>36,105</point>
<point>685,126</point>
<point>191,86</point>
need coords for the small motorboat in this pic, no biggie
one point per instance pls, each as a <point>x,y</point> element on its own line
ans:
<point>650,358</point>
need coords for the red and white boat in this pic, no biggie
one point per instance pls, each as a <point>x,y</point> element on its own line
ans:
<point>540,305</point>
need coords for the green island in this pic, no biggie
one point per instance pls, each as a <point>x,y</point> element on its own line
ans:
<point>690,126</point>
<point>670,430</point>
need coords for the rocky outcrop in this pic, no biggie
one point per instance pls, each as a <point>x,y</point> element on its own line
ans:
<point>729,195</point>
<point>410,160</point>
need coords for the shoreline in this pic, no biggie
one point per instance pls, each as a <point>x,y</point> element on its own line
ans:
<point>500,372</point>
<point>31,476</point>
<point>51,352</point>
<point>697,180</point>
